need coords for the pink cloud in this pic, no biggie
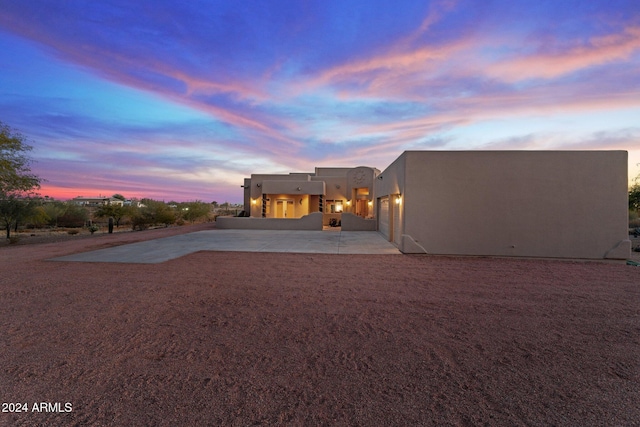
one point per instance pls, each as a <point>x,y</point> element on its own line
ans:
<point>437,11</point>
<point>398,69</point>
<point>547,65</point>
<point>378,72</point>
<point>406,73</point>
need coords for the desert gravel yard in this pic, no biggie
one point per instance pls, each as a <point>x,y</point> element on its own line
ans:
<point>239,338</point>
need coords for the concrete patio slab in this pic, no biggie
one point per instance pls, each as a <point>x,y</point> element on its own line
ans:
<point>160,250</point>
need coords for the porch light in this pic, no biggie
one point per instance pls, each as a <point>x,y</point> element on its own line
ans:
<point>254,201</point>
<point>370,203</point>
<point>348,202</point>
<point>398,199</point>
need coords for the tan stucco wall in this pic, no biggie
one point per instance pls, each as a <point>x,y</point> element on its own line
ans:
<point>391,180</point>
<point>309,222</point>
<point>335,187</point>
<point>566,204</point>
<point>292,187</point>
<point>352,222</point>
<point>325,172</point>
<point>257,180</point>
<point>391,184</point>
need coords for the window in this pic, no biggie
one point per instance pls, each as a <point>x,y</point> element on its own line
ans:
<point>334,206</point>
<point>361,193</point>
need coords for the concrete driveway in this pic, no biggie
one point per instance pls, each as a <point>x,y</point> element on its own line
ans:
<point>160,250</point>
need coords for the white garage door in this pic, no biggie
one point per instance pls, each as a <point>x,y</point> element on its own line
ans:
<point>383,216</point>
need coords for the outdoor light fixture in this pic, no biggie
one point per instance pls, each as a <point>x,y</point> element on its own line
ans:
<point>259,185</point>
<point>348,202</point>
<point>254,201</point>
<point>398,199</point>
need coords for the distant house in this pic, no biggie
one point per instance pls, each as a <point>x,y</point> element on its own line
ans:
<point>556,204</point>
<point>96,201</point>
<point>134,203</point>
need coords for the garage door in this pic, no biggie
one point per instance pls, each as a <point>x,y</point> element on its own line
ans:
<point>383,216</point>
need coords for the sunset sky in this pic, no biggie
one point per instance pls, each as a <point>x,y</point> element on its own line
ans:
<point>180,100</point>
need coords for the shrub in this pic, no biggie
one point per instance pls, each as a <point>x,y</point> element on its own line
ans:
<point>152,213</point>
<point>74,216</point>
<point>139,223</point>
<point>194,211</point>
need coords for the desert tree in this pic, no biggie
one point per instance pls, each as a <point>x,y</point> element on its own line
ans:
<point>17,182</point>
<point>40,217</point>
<point>634,195</point>
<point>73,216</point>
<point>193,211</point>
<point>115,211</point>
<point>54,210</point>
<point>151,212</point>
<point>15,166</point>
<point>15,210</point>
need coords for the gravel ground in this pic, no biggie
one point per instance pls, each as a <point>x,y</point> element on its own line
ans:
<point>221,338</point>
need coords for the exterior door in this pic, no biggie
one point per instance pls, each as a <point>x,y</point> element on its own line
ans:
<point>362,208</point>
<point>284,209</point>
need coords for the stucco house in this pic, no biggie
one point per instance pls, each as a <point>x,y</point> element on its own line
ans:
<point>556,204</point>
<point>328,191</point>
